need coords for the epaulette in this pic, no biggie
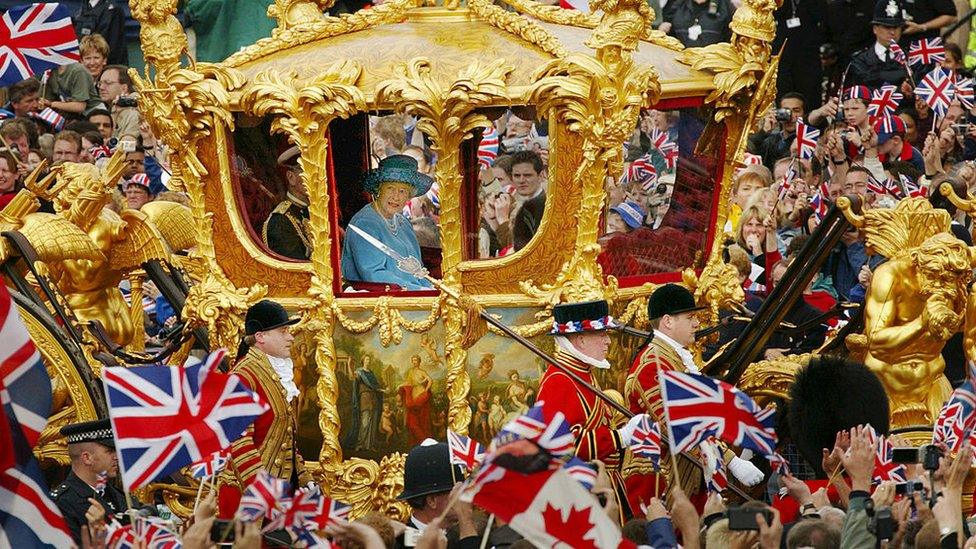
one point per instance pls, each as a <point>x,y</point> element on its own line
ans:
<point>282,207</point>
<point>59,491</point>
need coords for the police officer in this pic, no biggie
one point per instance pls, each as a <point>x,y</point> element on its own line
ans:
<point>286,230</point>
<point>428,478</point>
<point>92,452</point>
<point>876,65</point>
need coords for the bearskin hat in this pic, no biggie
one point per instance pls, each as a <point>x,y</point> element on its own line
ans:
<point>831,394</point>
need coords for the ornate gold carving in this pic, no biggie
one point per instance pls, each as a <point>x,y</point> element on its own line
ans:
<point>297,13</point>
<point>768,380</point>
<point>555,14</point>
<point>446,112</point>
<point>302,110</point>
<point>389,319</point>
<point>182,106</point>
<point>174,221</point>
<point>916,302</point>
<point>325,27</point>
<point>368,486</point>
<point>600,98</point>
<point>514,23</point>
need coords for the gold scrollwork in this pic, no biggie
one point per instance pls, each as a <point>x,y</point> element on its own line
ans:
<point>302,110</point>
<point>514,23</point>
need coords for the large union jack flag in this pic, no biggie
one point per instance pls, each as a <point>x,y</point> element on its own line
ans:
<point>884,102</point>
<point>28,517</point>
<point>806,140</point>
<point>465,451</point>
<point>669,149</point>
<point>165,418</point>
<point>546,428</point>
<point>697,407</point>
<point>35,38</point>
<point>926,51</point>
<point>937,89</point>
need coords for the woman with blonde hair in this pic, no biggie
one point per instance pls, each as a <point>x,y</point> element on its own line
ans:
<point>746,182</point>
<point>94,54</point>
<point>756,234</point>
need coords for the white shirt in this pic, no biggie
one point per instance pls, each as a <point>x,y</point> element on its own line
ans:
<point>686,358</point>
<point>880,51</point>
<point>286,373</point>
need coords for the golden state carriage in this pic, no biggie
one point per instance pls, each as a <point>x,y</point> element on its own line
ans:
<point>316,83</point>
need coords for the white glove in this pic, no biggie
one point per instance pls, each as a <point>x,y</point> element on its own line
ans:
<point>745,472</point>
<point>627,431</point>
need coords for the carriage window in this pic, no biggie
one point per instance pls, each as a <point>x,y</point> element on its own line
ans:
<point>379,179</point>
<point>513,166</point>
<point>658,213</point>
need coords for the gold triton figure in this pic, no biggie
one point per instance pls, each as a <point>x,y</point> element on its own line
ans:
<point>917,301</point>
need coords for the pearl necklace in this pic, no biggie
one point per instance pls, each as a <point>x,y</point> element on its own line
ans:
<point>392,224</point>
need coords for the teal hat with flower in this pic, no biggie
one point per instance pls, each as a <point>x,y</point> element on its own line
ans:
<point>397,168</point>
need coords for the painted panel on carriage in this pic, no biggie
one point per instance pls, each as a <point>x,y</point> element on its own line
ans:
<point>391,398</point>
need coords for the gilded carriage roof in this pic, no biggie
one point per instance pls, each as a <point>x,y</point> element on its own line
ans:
<point>452,39</point>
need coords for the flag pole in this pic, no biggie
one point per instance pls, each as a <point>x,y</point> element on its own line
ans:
<point>199,492</point>
<point>402,264</point>
<point>484,536</point>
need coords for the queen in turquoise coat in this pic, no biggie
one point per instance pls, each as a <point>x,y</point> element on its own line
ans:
<point>394,182</point>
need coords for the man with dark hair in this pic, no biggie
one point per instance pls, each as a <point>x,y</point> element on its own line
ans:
<point>285,231</point>
<point>428,479</point>
<point>102,119</point>
<point>775,137</point>
<point>527,173</point>
<point>114,85</point>
<point>23,97</point>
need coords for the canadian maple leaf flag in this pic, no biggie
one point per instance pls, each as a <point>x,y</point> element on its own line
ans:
<point>548,508</point>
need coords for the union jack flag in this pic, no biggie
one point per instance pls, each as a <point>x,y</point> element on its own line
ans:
<point>787,182</point>
<point>155,533</point>
<point>120,537</point>
<point>957,418</point>
<point>884,467</point>
<point>877,187</point>
<point>549,430</point>
<point>697,407</point>
<point>806,140</point>
<point>35,38</point>
<point>897,53</point>
<point>778,463</point>
<point>668,148</point>
<point>914,190</point>
<point>262,498</point>
<point>715,478</point>
<point>646,441</point>
<point>937,89</point>
<point>642,171</point>
<point>50,117</point>
<point>964,92</point>
<point>583,472</point>
<point>28,517</point>
<point>926,51</point>
<point>333,510</point>
<point>819,205</point>
<point>211,465</point>
<point>465,451</point>
<point>101,481</point>
<point>165,418</point>
<point>488,148</point>
<point>884,101</point>
<point>299,511</point>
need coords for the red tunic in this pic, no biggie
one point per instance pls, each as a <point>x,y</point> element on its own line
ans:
<point>589,418</point>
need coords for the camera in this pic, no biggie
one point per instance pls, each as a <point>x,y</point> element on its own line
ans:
<point>927,455</point>
<point>783,115</point>
<point>882,523</point>
<point>126,101</point>
<point>909,489</point>
<point>744,518</point>
<point>222,531</point>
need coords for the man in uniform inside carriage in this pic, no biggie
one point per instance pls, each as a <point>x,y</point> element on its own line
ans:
<point>580,333</point>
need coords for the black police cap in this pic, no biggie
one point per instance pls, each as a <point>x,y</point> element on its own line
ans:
<point>99,431</point>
